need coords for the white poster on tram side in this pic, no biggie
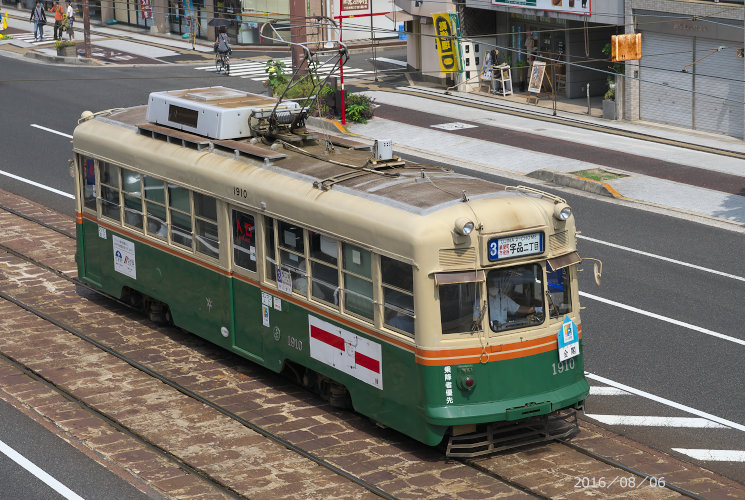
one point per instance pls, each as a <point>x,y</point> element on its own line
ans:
<point>568,340</point>
<point>124,257</point>
<point>346,351</point>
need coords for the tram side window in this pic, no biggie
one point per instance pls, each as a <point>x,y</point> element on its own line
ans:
<point>155,207</point>
<point>205,225</point>
<point>271,257</point>
<point>132,192</point>
<point>292,255</point>
<point>179,204</point>
<point>358,285</point>
<point>324,267</point>
<point>398,294</point>
<point>110,204</point>
<point>244,240</point>
<point>459,306</point>
<point>515,297</point>
<point>88,181</point>
<point>560,292</point>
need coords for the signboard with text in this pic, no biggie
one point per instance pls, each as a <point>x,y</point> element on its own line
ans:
<point>581,7</point>
<point>355,5</point>
<point>447,43</point>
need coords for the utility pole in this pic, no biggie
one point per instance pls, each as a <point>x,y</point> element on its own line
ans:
<point>86,29</point>
<point>298,33</point>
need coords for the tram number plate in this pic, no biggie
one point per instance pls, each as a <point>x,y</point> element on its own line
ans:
<point>515,246</point>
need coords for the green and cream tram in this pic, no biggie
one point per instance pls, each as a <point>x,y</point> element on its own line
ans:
<point>435,303</point>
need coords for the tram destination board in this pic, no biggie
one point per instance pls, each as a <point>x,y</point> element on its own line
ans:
<point>515,246</point>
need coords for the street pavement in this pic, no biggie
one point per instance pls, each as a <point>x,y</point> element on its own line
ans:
<point>695,174</point>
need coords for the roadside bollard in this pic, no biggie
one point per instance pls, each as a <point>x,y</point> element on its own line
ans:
<point>588,98</point>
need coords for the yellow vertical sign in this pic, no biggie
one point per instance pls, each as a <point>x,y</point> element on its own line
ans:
<point>447,45</point>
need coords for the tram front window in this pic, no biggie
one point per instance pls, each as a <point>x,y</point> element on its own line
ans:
<point>515,297</point>
<point>559,292</point>
<point>458,301</point>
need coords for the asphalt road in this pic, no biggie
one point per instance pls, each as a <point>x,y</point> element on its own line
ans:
<point>672,355</point>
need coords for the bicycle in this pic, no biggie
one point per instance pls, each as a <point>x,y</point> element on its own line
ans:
<point>222,62</point>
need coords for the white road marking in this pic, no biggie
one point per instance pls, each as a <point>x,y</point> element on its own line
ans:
<point>596,390</point>
<point>56,191</point>
<point>51,130</point>
<point>713,455</point>
<point>391,61</point>
<point>664,318</point>
<point>38,473</point>
<point>649,421</point>
<point>673,404</point>
<point>660,257</point>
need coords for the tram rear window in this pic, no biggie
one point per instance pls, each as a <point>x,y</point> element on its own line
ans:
<point>184,116</point>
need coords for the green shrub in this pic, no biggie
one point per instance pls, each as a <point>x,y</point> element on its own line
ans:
<point>358,108</point>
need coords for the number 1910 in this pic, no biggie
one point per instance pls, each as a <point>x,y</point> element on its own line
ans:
<point>563,366</point>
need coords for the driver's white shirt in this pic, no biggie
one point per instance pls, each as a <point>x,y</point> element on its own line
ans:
<point>499,306</point>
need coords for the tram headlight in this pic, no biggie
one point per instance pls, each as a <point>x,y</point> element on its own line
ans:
<point>562,211</point>
<point>463,226</point>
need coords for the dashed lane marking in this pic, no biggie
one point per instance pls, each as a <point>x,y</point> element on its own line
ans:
<point>649,421</point>
<point>596,390</point>
<point>713,455</point>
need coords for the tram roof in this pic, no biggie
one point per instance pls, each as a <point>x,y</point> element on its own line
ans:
<point>415,188</point>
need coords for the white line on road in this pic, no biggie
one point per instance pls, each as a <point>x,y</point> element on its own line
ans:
<point>660,257</point>
<point>57,191</point>
<point>649,421</point>
<point>51,130</point>
<point>713,455</point>
<point>673,404</point>
<point>664,318</point>
<point>391,61</point>
<point>596,390</point>
<point>37,472</point>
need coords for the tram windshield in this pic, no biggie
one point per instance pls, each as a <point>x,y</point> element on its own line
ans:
<point>515,297</point>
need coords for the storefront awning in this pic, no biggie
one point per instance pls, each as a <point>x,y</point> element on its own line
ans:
<point>399,16</point>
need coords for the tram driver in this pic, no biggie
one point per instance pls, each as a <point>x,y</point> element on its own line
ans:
<point>501,304</point>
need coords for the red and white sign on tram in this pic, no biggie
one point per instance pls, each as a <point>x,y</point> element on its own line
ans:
<point>346,351</point>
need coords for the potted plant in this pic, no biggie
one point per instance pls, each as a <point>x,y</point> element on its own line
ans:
<point>66,48</point>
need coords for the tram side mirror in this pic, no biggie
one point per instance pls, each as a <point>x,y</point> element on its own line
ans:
<point>597,269</point>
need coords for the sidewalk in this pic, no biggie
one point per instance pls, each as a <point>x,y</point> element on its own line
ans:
<point>693,158</point>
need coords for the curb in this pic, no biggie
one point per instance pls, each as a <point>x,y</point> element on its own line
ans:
<point>60,59</point>
<point>581,183</point>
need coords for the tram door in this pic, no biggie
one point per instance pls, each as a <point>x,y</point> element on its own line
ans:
<point>247,310</point>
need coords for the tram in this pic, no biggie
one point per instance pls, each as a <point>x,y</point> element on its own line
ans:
<point>434,303</point>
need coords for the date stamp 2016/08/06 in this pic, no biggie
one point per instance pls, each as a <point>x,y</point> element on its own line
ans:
<point>621,481</point>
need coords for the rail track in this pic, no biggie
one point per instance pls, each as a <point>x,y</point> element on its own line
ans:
<point>358,459</point>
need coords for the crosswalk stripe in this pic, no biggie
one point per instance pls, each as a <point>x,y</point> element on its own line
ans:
<point>648,421</point>
<point>714,455</point>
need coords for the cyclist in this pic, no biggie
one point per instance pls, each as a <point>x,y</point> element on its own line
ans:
<point>222,48</point>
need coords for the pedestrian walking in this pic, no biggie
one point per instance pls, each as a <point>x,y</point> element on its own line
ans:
<point>59,15</point>
<point>39,18</point>
<point>70,19</point>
